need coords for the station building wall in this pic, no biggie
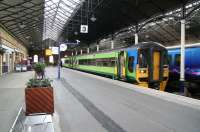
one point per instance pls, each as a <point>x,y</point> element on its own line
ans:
<point>14,53</point>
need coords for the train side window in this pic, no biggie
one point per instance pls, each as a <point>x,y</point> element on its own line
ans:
<point>130,63</point>
<point>177,60</point>
<point>66,61</point>
<point>113,62</point>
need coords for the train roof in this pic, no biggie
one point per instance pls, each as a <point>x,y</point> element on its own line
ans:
<point>187,46</point>
<point>139,45</point>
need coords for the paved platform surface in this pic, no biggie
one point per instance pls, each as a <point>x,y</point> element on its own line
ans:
<point>11,97</point>
<point>88,103</point>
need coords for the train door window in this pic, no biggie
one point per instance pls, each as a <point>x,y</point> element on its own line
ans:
<point>170,59</point>
<point>177,60</point>
<point>130,63</point>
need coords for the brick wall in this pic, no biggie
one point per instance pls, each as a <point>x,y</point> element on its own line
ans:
<point>14,57</point>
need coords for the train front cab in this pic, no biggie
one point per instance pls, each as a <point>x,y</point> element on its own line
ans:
<point>152,69</point>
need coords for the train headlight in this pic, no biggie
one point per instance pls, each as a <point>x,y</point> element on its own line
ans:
<point>142,71</point>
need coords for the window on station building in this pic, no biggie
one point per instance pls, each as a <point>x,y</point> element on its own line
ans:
<point>177,60</point>
<point>130,63</point>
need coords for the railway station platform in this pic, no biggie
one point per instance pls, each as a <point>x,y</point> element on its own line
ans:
<point>90,103</point>
<point>11,97</point>
<point>86,102</point>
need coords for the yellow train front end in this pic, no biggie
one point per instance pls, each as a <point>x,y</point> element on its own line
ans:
<point>152,69</point>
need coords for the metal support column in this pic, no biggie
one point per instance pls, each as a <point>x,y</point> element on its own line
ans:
<point>182,59</point>
<point>112,44</point>
<point>97,48</point>
<point>136,34</point>
<point>88,50</point>
<point>136,38</point>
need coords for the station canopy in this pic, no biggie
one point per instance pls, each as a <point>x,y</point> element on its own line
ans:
<point>114,15</point>
<point>23,19</point>
<point>32,21</point>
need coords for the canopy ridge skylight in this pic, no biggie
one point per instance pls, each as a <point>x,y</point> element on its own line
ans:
<point>56,15</point>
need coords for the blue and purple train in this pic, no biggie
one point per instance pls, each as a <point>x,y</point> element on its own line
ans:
<point>192,66</point>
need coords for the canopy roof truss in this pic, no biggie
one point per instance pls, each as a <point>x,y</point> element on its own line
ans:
<point>23,18</point>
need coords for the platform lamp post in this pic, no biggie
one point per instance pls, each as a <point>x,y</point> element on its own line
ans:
<point>61,47</point>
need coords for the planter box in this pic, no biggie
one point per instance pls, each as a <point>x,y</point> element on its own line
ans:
<point>39,100</point>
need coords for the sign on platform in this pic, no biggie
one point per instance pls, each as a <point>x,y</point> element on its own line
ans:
<point>63,47</point>
<point>48,52</point>
<point>54,50</point>
<point>84,29</point>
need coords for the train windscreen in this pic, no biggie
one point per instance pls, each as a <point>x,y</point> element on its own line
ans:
<point>142,58</point>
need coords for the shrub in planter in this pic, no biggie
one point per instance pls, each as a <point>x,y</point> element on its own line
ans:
<point>34,83</point>
<point>39,69</point>
<point>39,97</point>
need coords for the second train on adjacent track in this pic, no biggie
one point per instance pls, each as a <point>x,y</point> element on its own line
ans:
<point>145,64</point>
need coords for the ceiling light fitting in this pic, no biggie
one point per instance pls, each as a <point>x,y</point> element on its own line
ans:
<point>93,18</point>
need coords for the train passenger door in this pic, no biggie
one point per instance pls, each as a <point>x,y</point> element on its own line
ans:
<point>156,65</point>
<point>122,64</point>
<point>131,63</point>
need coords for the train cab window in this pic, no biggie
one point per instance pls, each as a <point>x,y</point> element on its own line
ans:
<point>130,63</point>
<point>177,60</point>
<point>142,60</point>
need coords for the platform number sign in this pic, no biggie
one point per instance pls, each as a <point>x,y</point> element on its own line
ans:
<point>84,29</point>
